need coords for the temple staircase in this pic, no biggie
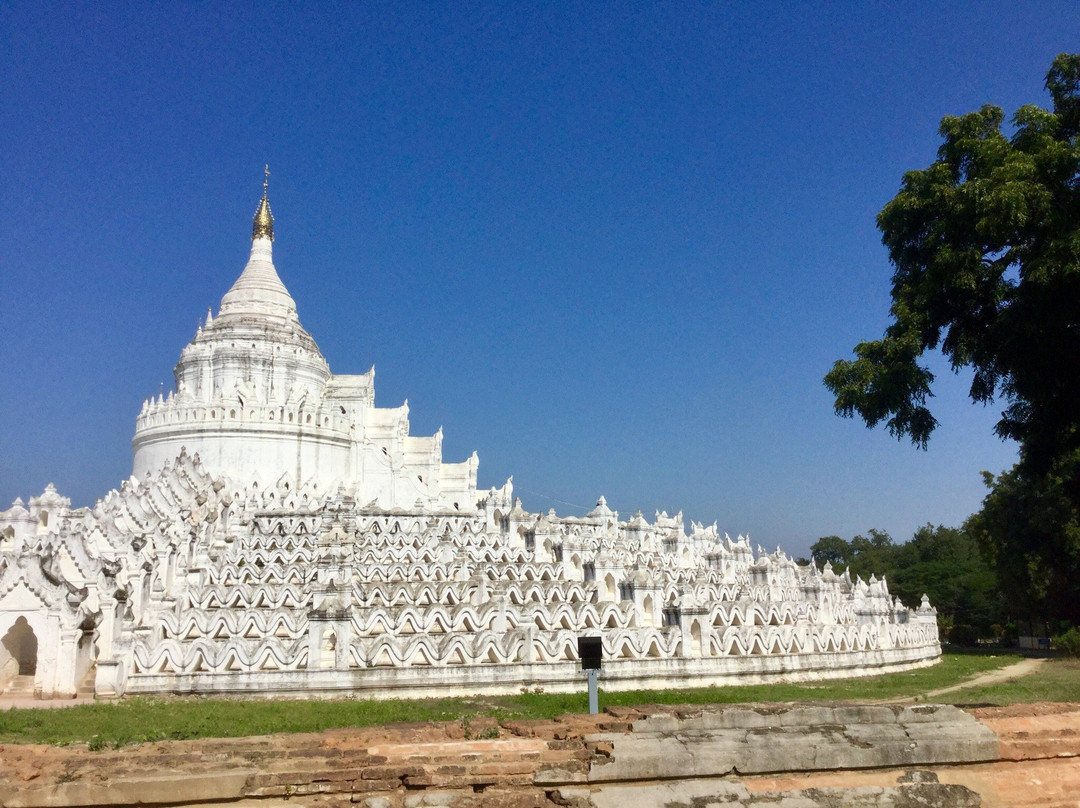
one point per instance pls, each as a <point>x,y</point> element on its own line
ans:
<point>86,686</point>
<point>20,687</point>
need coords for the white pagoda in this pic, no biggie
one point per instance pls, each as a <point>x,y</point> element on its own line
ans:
<point>257,401</point>
<point>282,534</point>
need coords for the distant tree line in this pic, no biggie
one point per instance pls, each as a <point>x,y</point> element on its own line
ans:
<point>943,563</point>
<point>1013,567</point>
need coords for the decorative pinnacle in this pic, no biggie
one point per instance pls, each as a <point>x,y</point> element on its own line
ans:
<point>263,226</point>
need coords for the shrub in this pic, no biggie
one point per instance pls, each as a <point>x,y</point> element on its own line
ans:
<point>964,634</point>
<point>1069,642</point>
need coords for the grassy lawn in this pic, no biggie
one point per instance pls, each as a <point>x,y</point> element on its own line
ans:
<point>1057,680</point>
<point>144,719</point>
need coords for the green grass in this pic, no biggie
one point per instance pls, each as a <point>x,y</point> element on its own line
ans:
<point>142,719</point>
<point>952,669</point>
<point>1057,680</point>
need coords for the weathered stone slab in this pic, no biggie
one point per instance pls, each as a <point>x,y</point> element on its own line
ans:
<point>802,739</point>
<point>557,776</point>
<point>719,793</point>
<point>672,795</point>
<point>433,799</point>
<point>164,790</point>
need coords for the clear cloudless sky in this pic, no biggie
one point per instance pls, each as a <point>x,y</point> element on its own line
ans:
<point>613,247</point>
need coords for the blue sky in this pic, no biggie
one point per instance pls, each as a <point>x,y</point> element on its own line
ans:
<point>611,247</point>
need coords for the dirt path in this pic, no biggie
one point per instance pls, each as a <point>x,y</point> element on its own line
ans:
<point>1016,670</point>
<point>1022,668</point>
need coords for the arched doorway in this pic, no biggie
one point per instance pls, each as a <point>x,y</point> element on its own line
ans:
<point>328,649</point>
<point>22,645</point>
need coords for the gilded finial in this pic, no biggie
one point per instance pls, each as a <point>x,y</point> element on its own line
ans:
<point>263,226</point>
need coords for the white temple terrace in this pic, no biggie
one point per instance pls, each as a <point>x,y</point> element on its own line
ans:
<point>282,534</point>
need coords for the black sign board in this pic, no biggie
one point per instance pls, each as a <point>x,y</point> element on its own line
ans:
<point>590,650</point>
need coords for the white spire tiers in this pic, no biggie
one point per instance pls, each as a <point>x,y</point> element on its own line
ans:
<point>259,291</point>
<point>282,534</point>
<point>256,401</point>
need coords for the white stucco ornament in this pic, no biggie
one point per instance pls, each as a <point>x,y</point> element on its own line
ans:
<point>281,533</point>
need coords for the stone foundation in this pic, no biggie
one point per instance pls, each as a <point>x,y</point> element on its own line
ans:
<point>790,756</point>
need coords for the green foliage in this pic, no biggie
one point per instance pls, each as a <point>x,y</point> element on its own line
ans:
<point>986,249</point>
<point>873,554</point>
<point>1069,642</point>
<point>1030,526</point>
<point>831,550</point>
<point>964,635</point>
<point>944,563</point>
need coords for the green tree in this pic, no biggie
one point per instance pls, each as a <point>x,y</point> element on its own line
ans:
<point>1030,526</point>
<point>947,564</point>
<point>863,555</point>
<point>831,549</point>
<point>873,554</point>
<point>944,563</point>
<point>986,249</point>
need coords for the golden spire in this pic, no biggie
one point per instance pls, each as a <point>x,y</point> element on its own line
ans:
<point>263,226</point>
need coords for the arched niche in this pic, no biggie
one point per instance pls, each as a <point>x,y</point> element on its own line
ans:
<point>328,649</point>
<point>20,644</point>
